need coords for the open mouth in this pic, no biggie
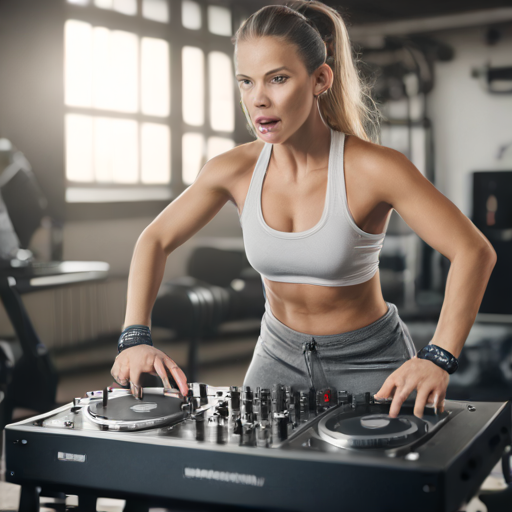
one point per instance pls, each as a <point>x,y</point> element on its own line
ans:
<point>265,127</point>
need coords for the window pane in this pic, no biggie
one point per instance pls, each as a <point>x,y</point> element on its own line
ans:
<point>193,85</point>
<point>103,149</point>
<point>218,145</point>
<point>104,4</point>
<point>192,156</point>
<point>155,148</point>
<point>102,80</point>
<point>78,2</point>
<point>219,20</point>
<point>77,63</point>
<point>222,114</point>
<point>124,71</point>
<point>155,77</point>
<point>116,150</point>
<point>125,151</point>
<point>156,10</point>
<point>191,15</point>
<point>79,148</point>
<point>126,6</point>
<point>115,68</point>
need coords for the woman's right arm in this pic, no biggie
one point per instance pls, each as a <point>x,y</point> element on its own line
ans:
<point>178,222</point>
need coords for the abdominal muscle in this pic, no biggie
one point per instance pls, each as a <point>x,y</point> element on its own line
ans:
<point>324,310</point>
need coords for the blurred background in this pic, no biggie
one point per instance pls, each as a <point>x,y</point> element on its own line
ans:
<point>108,110</point>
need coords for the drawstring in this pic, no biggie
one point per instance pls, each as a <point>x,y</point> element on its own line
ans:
<point>307,348</point>
<point>310,353</point>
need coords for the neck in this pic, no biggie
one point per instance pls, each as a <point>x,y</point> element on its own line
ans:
<point>306,150</point>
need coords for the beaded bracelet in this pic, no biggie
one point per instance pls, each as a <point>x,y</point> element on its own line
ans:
<point>134,335</point>
<point>439,356</point>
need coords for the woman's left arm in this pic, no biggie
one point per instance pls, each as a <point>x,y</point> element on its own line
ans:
<point>445,228</point>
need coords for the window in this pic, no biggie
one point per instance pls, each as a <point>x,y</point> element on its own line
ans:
<point>128,66</point>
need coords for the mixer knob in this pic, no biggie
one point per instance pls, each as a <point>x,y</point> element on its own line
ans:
<point>237,427</point>
<point>343,397</point>
<point>235,398</point>
<point>222,409</point>
<point>281,425</point>
<point>263,434</point>
<point>213,420</point>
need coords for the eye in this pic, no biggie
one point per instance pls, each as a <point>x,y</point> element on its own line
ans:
<point>243,80</point>
<point>280,81</point>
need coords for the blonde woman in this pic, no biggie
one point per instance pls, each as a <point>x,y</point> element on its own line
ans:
<point>314,194</point>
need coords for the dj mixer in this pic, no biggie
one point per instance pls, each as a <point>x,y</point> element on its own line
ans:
<point>271,449</point>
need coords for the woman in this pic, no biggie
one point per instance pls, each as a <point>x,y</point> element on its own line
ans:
<point>314,195</point>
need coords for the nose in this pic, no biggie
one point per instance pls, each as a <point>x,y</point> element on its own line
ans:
<point>259,97</point>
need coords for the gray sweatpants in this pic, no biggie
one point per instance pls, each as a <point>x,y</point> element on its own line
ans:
<point>355,361</point>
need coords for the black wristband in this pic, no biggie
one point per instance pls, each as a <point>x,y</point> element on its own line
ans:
<point>439,356</point>
<point>134,335</point>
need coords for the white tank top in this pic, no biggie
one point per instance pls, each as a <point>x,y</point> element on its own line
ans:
<point>334,252</point>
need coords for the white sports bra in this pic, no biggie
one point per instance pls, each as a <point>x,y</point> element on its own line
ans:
<point>335,252</point>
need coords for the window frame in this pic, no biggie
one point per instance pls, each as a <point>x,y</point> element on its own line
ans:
<point>177,37</point>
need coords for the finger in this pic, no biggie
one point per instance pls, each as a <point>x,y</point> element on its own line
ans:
<point>162,372</point>
<point>401,395</point>
<point>135,386</point>
<point>178,375</point>
<point>441,402</point>
<point>386,390</point>
<point>122,376</point>
<point>421,401</point>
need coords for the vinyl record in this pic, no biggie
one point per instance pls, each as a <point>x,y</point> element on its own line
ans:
<point>371,430</point>
<point>126,413</point>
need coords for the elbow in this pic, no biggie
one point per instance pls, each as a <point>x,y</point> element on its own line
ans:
<point>487,255</point>
<point>151,237</point>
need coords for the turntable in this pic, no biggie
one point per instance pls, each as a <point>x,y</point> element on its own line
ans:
<point>279,449</point>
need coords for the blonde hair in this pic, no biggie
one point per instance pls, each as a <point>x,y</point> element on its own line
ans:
<point>320,35</point>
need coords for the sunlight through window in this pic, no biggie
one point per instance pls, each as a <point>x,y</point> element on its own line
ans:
<point>79,148</point>
<point>218,145</point>
<point>193,156</point>
<point>222,114</point>
<point>77,63</point>
<point>156,10</point>
<point>219,20</point>
<point>155,156</point>
<point>191,15</point>
<point>193,85</point>
<point>155,84</point>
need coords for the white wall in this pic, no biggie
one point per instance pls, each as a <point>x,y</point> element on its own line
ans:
<point>470,124</point>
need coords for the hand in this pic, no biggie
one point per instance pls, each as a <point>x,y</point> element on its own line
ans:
<point>133,361</point>
<point>427,378</point>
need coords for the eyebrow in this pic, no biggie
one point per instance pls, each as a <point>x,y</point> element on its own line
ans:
<point>268,72</point>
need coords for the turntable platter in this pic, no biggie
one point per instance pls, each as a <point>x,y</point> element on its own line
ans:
<point>371,430</point>
<point>128,413</point>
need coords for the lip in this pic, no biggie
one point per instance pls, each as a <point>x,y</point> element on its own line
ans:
<point>265,118</point>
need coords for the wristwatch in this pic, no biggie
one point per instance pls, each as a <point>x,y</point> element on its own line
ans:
<point>439,356</point>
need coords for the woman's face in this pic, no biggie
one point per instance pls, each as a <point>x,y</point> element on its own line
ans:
<point>274,83</point>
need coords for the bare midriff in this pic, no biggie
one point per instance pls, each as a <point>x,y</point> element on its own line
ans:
<point>324,310</point>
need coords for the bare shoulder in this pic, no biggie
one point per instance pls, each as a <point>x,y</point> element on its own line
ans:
<point>225,171</point>
<point>384,171</point>
<point>371,157</point>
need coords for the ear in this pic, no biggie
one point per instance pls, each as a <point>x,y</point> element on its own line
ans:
<point>323,78</point>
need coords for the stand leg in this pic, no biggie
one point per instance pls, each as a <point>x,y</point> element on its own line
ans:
<point>29,499</point>
<point>87,502</point>
<point>136,506</point>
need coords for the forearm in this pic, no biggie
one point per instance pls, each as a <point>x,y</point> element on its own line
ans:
<point>144,280</point>
<point>467,280</point>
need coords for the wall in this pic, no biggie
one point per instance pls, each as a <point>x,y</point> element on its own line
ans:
<point>470,124</point>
